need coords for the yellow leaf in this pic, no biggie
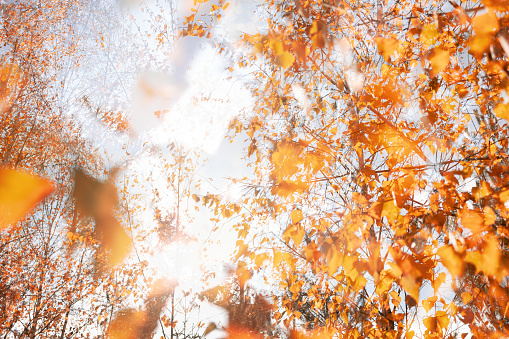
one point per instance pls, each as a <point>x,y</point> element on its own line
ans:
<point>431,324</point>
<point>503,196</point>
<point>487,260</point>
<point>258,47</point>
<point>429,303</point>
<point>360,282</point>
<point>277,46</point>
<point>429,35</point>
<point>396,299</point>
<point>479,43</point>
<point>285,60</point>
<point>297,235</point>
<point>19,192</point>
<point>294,232</point>
<point>260,259</point>
<point>483,191</point>
<point>442,319</point>
<point>410,285</point>
<point>395,271</point>
<point>350,270</point>
<point>384,285</point>
<point>278,257</point>
<point>390,210</point>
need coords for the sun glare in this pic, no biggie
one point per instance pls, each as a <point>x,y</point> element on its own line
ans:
<point>181,261</point>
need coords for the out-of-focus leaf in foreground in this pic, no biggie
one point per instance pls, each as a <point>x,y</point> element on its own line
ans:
<point>98,200</point>
<point>19,192</point>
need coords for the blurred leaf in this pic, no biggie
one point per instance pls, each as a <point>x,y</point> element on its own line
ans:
<point>285,60</point>
<point>388,47</point>
<point>19,192</point>
<point>211,327</point>
<point>486,260</point>
<point>439,60</point>
<point>472,220</point>
<point>236,332</point>
<point>390,210</point>
<point>99,200</point>
<point>451,260</point>
<point>486,23</point>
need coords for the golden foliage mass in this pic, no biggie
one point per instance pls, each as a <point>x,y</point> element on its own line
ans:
<point>379,144</point>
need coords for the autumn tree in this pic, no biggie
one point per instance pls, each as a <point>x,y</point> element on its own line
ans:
<point>50,285</point>
<point>379,138</point>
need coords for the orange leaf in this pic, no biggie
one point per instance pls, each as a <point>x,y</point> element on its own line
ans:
<point>335,261</point>
<point>388,47</point>
<point>439,60</point>
<point>472,220</point>
<point>466,297</point>
<point>502,111</point>
<point>451,260</point>
<point>487,260</point>
<point>19,192</point>
<point>318,33</point>
<point>126,324</point>
<point>278,257</point>
<point>489,216</point>
<point>296,216</point>
<point>429,303</point>
<point>410,285</point>
<point>439,280</point>
<point>485,24</point>
<point>99,201</point>
<point>443,319</point>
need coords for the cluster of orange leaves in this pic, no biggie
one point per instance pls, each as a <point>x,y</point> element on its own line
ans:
<point>398,95</point>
